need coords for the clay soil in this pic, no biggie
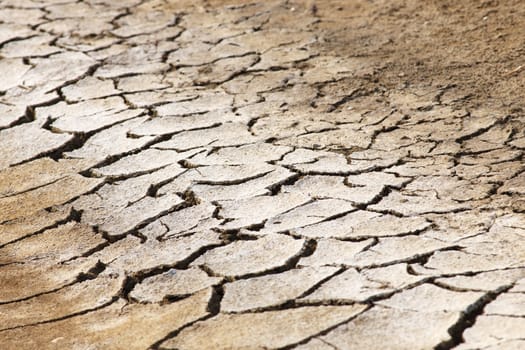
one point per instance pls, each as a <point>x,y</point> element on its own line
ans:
<point>472,47</point>
<point>330,174</point>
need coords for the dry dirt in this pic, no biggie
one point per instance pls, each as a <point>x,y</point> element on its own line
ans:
<point>262,174</point>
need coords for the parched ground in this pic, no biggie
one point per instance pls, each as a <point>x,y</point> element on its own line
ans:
<point>262,174</point>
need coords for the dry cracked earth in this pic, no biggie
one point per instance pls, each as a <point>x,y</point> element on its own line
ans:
<point>262,175</point>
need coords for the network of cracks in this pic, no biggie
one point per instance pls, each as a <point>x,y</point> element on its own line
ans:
<point>184,176</point>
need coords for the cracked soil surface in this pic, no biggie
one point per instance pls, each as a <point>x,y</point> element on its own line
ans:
<point>276,174</point>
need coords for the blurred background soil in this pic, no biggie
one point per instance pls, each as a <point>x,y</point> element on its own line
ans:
<point>474,48</point>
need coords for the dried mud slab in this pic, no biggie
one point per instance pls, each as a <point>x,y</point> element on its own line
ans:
<point>107,325</point>
<point>272,329</point>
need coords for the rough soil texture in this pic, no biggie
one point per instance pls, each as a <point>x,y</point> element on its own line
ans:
<point>262,175</point>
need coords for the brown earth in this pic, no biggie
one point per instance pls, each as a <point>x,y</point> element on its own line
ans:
<point>472,48</point>
<point>262,174</point>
